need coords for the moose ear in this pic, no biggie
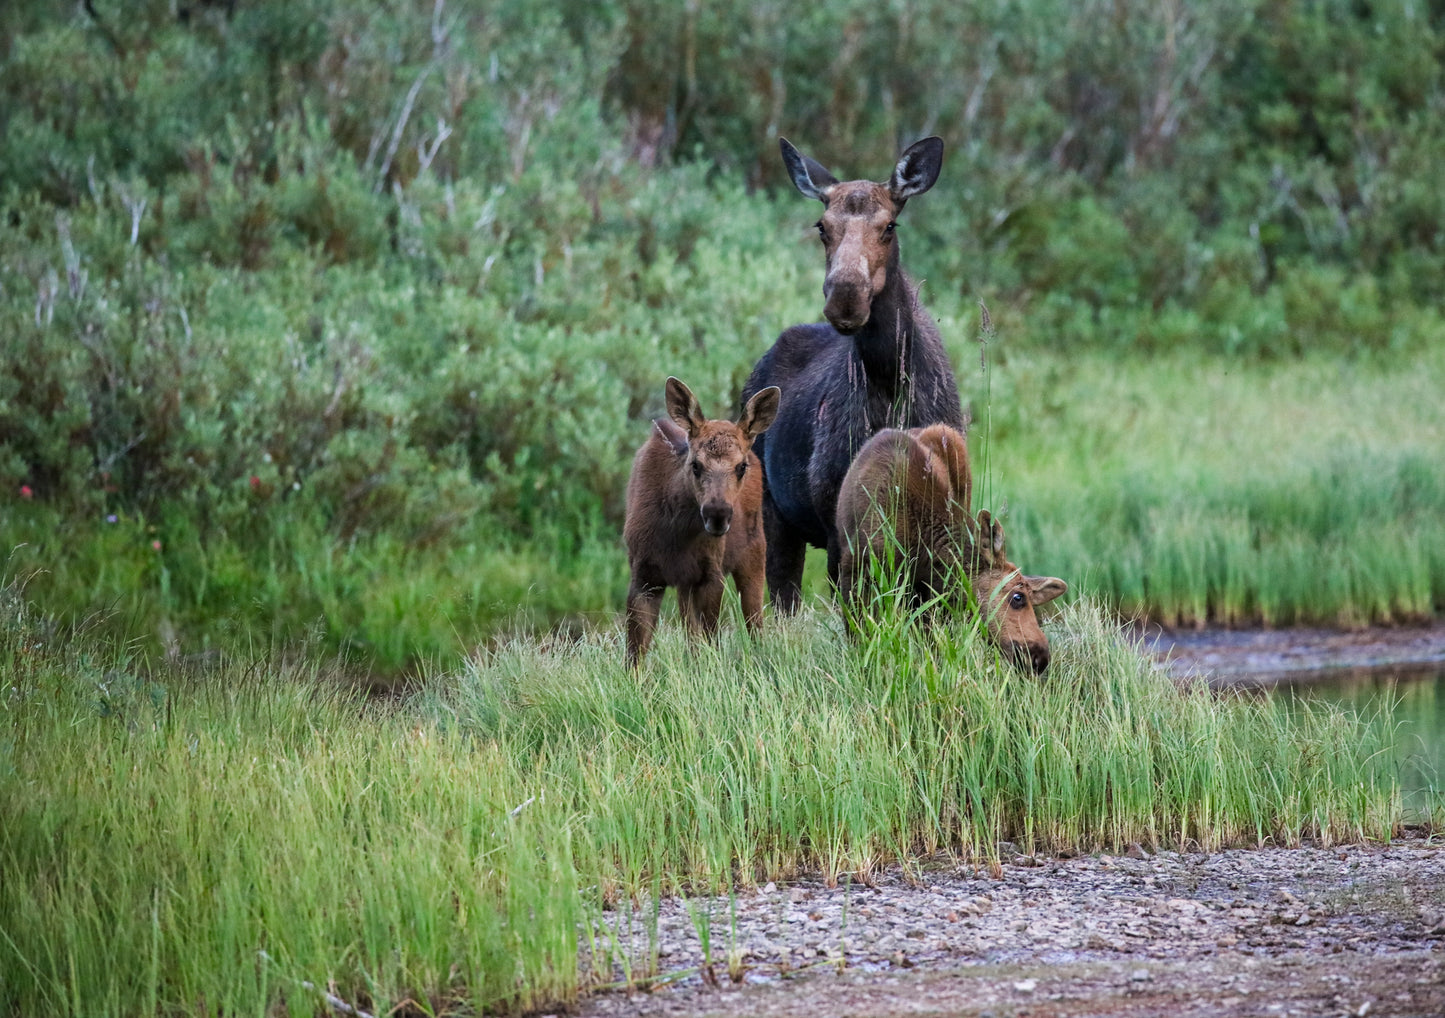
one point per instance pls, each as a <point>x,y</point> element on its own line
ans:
<point>809,177</point>
<point>670,433</point>
<point>1043,589</point>
<point>917,169</point>
<point>683,407</point>
<point>761,411</point>
<point>990,536</point>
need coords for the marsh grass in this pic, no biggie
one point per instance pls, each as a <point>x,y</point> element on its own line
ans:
<point>1192,490</point>
<point>229,842</point>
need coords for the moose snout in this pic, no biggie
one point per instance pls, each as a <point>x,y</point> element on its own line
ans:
<point>1035,655</point>
<point>1029,655</point>
<point>846,309</point>
<point>716,519</point>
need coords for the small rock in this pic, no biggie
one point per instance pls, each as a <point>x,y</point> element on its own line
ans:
<point>1026,985</point>
<point>1140,976</point>
<point>1136,851</point>
<point>797,895</point>
<point>1303,920</point>
<point>770,888</point>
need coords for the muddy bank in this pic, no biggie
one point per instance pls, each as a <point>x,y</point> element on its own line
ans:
<point>1268,656</point>
<point>1318,930</point>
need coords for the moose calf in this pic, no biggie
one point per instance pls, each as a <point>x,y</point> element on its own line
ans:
<point>908,494</point>
<point>694,515</point>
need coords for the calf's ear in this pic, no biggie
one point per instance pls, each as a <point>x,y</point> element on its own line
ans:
<point>683,407</point>
<point>1043,589</point>
<point>761,411</point>
<point>809,177</point>
<point>990,538</point>
<point>670,433</point>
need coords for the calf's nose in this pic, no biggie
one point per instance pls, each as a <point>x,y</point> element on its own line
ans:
<point>717,519</point>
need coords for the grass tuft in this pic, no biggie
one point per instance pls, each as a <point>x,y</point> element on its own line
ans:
<point>235,839</point>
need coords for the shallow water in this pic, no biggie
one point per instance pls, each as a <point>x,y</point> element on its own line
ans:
<point>1419,713</point>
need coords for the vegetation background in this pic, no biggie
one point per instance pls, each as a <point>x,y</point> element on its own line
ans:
<point>330,326</point>
<point>338,322</point>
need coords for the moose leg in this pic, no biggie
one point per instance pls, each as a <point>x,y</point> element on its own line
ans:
<point>785,557</point>
<point>749,580</point>
<point>644,603</point>
<point>705,606</point>
<point>835,558</point>
<point>847,577</point>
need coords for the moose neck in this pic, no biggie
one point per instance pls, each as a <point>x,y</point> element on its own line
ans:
<point>885,343</point>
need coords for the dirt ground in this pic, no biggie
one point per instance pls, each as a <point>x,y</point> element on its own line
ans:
<point>1319,930</point>
<point>1225,987</point>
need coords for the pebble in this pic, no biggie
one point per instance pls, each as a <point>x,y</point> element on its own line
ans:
<point>1251,903</point>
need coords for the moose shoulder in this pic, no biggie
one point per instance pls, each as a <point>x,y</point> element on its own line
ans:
<point>877,361</point>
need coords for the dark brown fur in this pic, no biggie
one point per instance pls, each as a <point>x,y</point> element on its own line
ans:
<point>912,491</point>
<point>877,361</point>
<point>694,516</point>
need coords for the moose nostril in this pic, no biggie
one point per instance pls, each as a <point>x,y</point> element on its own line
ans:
<point>717,521</point>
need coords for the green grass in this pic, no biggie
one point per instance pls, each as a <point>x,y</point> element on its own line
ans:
<point>1184,487</point>
<point>1194,489</point>
<point>165,827</point>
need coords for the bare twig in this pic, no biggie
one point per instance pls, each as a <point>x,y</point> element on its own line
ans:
<point>424,153</point>
<point>75,276</point>
<point>337,1004</point>
<point>400,129</point>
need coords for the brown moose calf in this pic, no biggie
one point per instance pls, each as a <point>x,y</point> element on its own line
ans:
<point>694,515</point>
<point>907,498</point>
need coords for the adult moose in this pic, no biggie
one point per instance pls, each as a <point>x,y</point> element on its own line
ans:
<point>876,362</point>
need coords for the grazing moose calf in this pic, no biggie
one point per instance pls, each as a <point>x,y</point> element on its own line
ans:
<point>876,362</point>
<point>694,515</point>
<point>908,493</point>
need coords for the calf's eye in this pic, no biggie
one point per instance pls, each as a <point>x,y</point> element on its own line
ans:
<point>696,469</point>
<point>1017,600</point>
<point>742,469</point>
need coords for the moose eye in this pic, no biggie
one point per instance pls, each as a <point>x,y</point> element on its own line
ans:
<point>822,230</point>
<point>696,468</point>
<point>1017,600</point>
<point>742,469</point>
<point>888,230</point>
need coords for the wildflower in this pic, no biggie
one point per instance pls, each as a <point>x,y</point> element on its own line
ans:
<point>156,545</point>
<point>26,492</point>
<point>112,518</point>
<point>255,482</point>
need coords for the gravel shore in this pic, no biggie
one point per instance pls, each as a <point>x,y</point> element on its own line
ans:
<point>1315,930</point>
<point>1353,929</point>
